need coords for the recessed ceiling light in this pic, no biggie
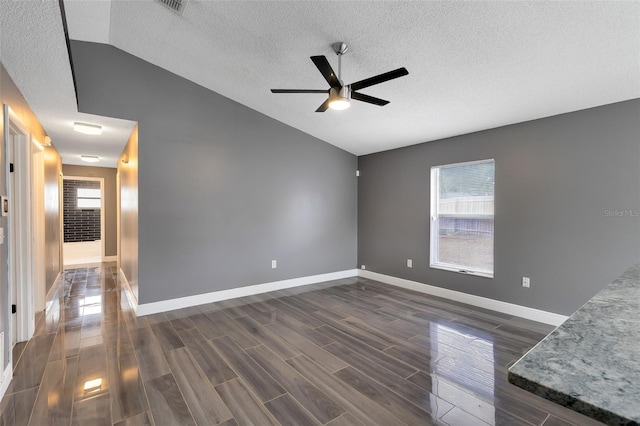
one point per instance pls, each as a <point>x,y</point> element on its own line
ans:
<point>90,158</point>
<point>87,129</point>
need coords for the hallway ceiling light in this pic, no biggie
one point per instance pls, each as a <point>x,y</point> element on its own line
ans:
<point>90,158</point>
<point>87,129</point>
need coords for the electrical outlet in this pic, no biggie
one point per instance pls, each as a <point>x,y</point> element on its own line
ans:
<point>363,267</point>
<point>409,263</point>
<point>526,283</point>
<point>274,264</point>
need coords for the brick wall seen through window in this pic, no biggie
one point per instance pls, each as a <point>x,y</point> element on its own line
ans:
<point>80,224</point>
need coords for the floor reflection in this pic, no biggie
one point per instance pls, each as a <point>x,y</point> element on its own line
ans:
<point>467,369</point>
<point>385,355</point>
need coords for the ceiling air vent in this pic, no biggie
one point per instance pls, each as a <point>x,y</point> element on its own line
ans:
<point>175,5</point>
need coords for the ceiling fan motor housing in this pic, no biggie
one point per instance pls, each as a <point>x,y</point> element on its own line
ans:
<point>343,93</point>
<point>339,98</point>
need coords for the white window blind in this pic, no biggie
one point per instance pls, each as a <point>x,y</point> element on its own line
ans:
<point>462,204</point>
<point>88,198</point>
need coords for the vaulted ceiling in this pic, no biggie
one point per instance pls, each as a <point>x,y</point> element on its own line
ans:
<point>472,65</point>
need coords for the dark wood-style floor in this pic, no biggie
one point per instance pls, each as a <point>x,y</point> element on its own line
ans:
<point>349,352</point>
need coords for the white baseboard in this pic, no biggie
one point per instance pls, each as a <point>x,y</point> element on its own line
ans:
<point>110,258</point>
<point>127,290</point>
<point>482,302</point>
<point>6,378</point>
<point>216,296</point>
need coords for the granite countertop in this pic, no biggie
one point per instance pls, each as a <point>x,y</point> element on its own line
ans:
<point>591,363</point>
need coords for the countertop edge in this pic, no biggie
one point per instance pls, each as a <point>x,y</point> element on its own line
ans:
<point>575,404</point>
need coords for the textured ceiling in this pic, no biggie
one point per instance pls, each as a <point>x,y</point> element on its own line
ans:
<point>34,52</point>
<point>472,65</point>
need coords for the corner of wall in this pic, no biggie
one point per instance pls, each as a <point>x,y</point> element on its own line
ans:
<point>128,213</point>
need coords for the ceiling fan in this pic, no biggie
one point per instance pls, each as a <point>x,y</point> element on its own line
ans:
<point>340,95</point>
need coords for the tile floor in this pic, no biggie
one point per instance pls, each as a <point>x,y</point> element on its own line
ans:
<point>348,352</point>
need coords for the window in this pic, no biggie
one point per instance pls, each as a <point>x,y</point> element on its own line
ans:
<point>88,198</point>
<point>462,217</point>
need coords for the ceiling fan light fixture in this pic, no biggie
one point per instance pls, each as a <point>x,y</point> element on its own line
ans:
<point>339,104</point>
<point>339,99</point>
<point>340,95</point>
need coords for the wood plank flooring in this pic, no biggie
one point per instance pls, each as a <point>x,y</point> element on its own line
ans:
<point>347,352</point>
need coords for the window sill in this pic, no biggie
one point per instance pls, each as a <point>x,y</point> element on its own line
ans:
<point>461,270</point>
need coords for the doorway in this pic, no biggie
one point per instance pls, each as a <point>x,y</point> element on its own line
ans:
<point>21,262</point>
<point>83,220</point>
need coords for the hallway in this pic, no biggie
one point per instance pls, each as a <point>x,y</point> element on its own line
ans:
<point>347,352</point>
<point>69,347</point>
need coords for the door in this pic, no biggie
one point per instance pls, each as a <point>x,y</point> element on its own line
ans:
<point>13,234</point>
<point>19,228</point>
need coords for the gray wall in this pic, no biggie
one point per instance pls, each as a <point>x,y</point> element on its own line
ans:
<point>555,179</point>
<point>110,207</point>
<point>223,189</point>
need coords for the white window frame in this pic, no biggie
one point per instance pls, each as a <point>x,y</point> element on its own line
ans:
<point>86,197</point>
<point>103,237</point>
<point>433,230</point>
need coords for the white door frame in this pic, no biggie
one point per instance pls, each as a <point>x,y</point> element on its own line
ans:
<point>102,235</point>
<point>19,222</point>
